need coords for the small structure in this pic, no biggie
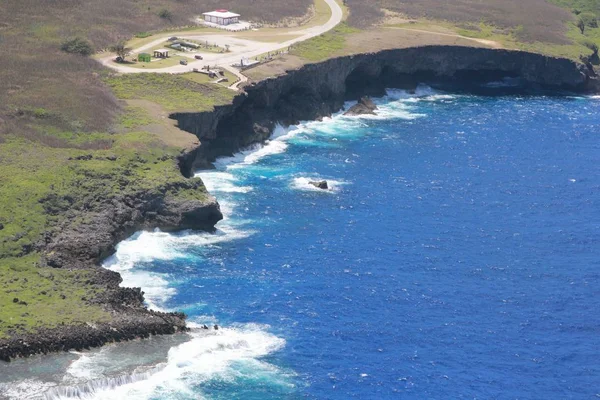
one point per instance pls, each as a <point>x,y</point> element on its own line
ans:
<point>161,53</point>
<point>144,57</point>
<point>222,17</point>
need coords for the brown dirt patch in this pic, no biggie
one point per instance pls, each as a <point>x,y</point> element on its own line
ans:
<point>165,129</point>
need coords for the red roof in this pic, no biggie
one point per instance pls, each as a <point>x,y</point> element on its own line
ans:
<point>222,10</point>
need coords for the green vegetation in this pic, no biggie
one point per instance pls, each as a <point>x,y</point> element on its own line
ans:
<point>532,25</point>
<point>172,92</point>
<point>165,14</point>
<point>39,188</point>
<point>325,46</point>
<point>77,46</point>
<point>135,117</point>
<point>31,297</point>
<point>579,6</point>
<point>120,49</point>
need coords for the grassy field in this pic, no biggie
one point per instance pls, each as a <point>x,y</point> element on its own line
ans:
<point>172,92</point>
<point>325,46</point>
<point>31,297</point>
<point>507,38</point>
<point>533,25</point>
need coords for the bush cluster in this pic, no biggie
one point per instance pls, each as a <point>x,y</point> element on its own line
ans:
<point>77,46</point>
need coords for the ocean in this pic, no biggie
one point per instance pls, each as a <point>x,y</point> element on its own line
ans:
<point>456,255</point>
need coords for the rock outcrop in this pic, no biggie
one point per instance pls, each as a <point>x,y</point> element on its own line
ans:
<point>320,184</point>
<point>365,106</point>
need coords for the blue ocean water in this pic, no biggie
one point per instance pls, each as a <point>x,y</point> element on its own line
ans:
<point>457,255</point>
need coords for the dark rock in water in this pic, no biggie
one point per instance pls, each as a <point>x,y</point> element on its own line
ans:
<point>216,327</point>
<point>320,184</point>
<point>364,106</point>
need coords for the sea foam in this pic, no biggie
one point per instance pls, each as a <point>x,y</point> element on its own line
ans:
<point>227,354</point>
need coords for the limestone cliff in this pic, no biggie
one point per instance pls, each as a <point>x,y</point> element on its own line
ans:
<point>318,90</point>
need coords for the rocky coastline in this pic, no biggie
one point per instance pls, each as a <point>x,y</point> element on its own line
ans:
<point>84,245</point>
<point>311,92</point>
<point>318,90</point>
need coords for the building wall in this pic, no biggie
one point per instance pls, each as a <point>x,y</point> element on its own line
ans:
<point>221,21</point>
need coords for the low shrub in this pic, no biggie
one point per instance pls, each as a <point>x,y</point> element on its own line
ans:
<point>165,14</point>
<point>77,46</point>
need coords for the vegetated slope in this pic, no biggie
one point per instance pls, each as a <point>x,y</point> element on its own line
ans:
<point>546,26</point>
<point>34,73</point>
<point>70,148</point>
<point>532,20</point>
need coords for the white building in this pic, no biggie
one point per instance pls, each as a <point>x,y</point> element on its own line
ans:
<point>221,17</point>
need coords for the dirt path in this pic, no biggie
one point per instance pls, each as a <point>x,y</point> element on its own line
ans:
<point>490,43</point>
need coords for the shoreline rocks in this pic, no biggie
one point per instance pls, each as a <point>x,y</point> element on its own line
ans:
<point>365,106</point>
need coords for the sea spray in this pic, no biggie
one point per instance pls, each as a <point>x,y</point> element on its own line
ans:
<point>226,354</point>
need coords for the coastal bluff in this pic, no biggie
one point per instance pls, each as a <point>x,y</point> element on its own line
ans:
<point>318,90</point>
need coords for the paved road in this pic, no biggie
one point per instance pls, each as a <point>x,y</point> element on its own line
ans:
<point>239,48</point>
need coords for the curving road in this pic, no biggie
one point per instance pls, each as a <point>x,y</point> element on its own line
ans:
<point>239,48</point>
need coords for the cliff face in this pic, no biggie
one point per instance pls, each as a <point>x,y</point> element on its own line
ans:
<point>318,90</point>
<point>109,221</point>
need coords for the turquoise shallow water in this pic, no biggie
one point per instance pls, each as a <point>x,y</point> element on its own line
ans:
<point>456,256</point>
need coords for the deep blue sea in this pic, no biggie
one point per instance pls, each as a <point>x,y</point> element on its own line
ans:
<point>456,256</point>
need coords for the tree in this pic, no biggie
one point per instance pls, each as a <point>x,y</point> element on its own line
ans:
<point>589,19</point>
<point>581,25</point>
<point>120,49</point>
<point>77,46</point>
<point>165,14</point>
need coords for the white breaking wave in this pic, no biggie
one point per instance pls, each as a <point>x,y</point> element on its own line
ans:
<point>157,245</point>
<point>25,389</point>
<point>277,144</point>
<point>221,182</point>
<point>400,104</point>
<point>226,354</point>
